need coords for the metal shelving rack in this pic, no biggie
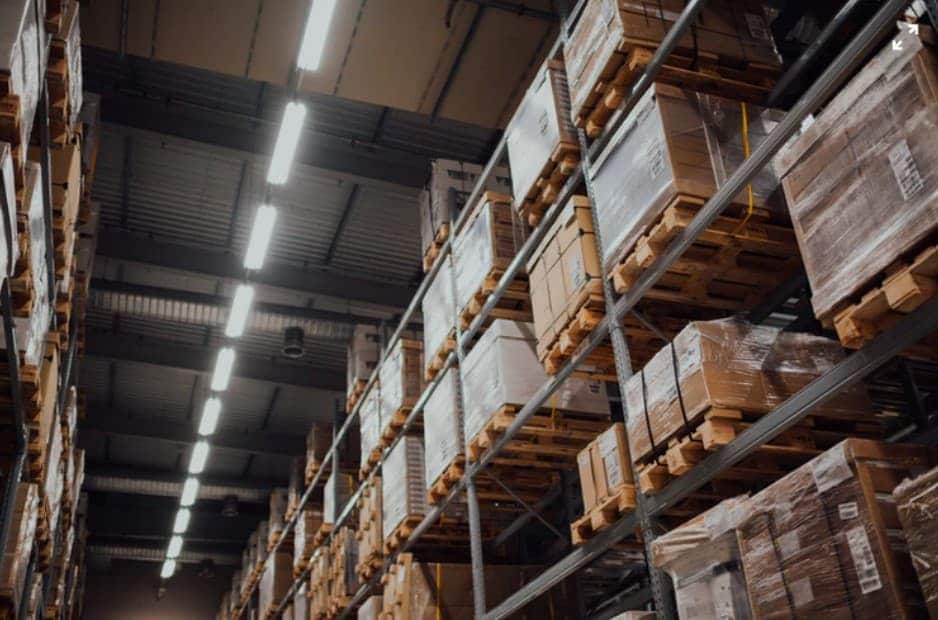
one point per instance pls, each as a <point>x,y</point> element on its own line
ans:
<point>853,368</point>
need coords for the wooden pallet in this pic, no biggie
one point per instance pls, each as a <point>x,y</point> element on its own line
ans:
<point>321,534</point>
<point>368,567</point>
<point>354,395</point>
<point>401,533</point>
<point>585,312</point>
<point>439,239</point>
<point>704,72</point>
<point>729,267</point>
<point>394,425</point>
<point>514,305</point>
<point>905,286</point>
<point>370,462</point>
<point>604,514</point>
<point>562,163</point>
<point>445,482</point>
<point>436,361</point>
<point>10,131</point>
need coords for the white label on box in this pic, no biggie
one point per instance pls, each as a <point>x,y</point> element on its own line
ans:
<point>848,510</point>
<point>903,166</point>
<point>863,560</point>
<point>607,451</point>
<point>801,592</point>
<point>789,544</point>
<point>654,158</point>
<point>830,469</point>
<point>575,270</point>
<point>757,27</point>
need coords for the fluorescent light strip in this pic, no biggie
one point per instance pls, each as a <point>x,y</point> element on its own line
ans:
<point>175,547</point>
<point>210,413</point>
<point>199,457</point>
<point>223,365</point>
<point>189,491</point>
<point>169,568</point>
<point>181,524</point>
<point>240,307</point>
<point>315,35</point>
<point>287,139</point>
<point>261,232</point>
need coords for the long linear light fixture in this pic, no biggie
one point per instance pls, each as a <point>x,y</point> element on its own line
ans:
<point>259,241</point>
<point>287,139</point>
<point>240,307</point>
<point>223,366</point>
<point>315,34</point>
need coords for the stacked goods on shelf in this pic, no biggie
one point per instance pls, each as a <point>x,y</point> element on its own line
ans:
<point>370,535</point>
<point>444,443</point>
<point>823,540</point>
<point>336,493</point>
<point>17,548</point>
<point>401,379</point>
<point>275,581</point>
<point>418,590</point>
<point>276,517</point>
<point>22,67</point>
<point>238,581</point>
<point>308,525</point>
<point>296,485</point>
<point>64,78</point>
<point>319,584</point>
<point>542,143</point>
<point>224,610</point>
<point>318,441</point>
<point>8,207</point>
<point>715,378</point>
<point>482,250</point>
<point>606,483</point>
<point>300,604</point>
<point>241,585</point>
<point>868,265</point>
<point>690,144</point>
<point>728,51</point>
<point>403,492</point>
<point>50,499</point>
<point>451,183</point>
<point>917,502</point>
<point>370,609</point>
<point>370,427</point>
<point>364,351</point>
<point>343,582</point>
<point>500,374</point>
<point>438,309</point>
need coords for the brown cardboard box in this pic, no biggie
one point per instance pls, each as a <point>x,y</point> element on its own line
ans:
<point>370,536</point>
<point>277,514</point>
<point>275,580</point>
<point>917,501</point>
<point>343,556</point>
<point>19,543</point>
<point>604,466</point>
<point>304,532</point>
<point>370,609</point>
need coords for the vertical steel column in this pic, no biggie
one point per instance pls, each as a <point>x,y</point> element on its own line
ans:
<point>660,583</point>
<point>45,161</point>
<point>13,364</point>
<point>339,452</point>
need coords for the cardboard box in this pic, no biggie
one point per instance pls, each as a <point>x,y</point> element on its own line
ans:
<point>277,513</point>
<point>403,489</point>
<point>19,543</point>
<point>370,534</point>
<point>733,365</point>
<point>439,313</point>
<point>917,501</point>
<point>371,425</point>
<point>340,487</point>
<point>343,557</point>
<point>401,377</point>
<point>443,438</point>
<point>275,580</point>
<point>319,583</point>
<point>870,146</point>
<point>260,542</point>
<point>20,59</point>
<point>8,230</point>
<point>307,525</point>
<point>689,144</point>
<point>370,609</point>
<point>604,467</point>
<point>364,351</point>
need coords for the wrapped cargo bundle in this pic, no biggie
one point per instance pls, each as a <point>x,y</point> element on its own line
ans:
<point>444,442</point>
<point>307,526</point>
<point>717,374</point>
<point>51,491</point>
<point>260,543</point>
<point>605,481</point>
<point>337,488</point>
<point>301,604</point>
<point>319,584</point>
<point>439,313</point>
<point>370,535</point>
<point>295,484</point>
<point>370,427</point>
<point>917,501</point>
<point>688,145</point>
<point>64,76</point>
<point>318,440</point>
<point>370,609</point>
<point>343,556</point>
<point>542,143</point>
<point>66,197</point>
<point>22,69</point>
<point>275,580</point>
<point>19,543</point>
<point>501,373</point>
<point>729,49</point>
<point>871,146</point>
<point>401,377</point>
<point>276,515</point>
<point>364,351</point>
<point>11,252</point>
<point>403,490</point>
<point>451,183</point>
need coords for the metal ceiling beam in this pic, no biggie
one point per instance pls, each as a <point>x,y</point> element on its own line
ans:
<point>102,420</point>
<point>195,358</point>
<point>218,264</point>
<point>144,553</point>
<point>151,523</point>
<point>156,483</point>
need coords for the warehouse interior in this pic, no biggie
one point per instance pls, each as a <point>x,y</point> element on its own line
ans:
<point>469,309</point>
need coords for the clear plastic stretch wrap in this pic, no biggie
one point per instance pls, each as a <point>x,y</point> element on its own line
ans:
<point>872,146</point>
<point>540,124</point>
<point>403,489</point>
<point>442,427</point>
<point>19,543</point>
<point>489,240</point>
<point>307,525</point>
<point>729,364</point>
<point>675,143</point>
<point>20,33</point>
<point>8,234</point>
<point>502,369</point>
<point>345,483</point>
<point>275,580</point>
<point>736,31</point>
<point>401,376</point>
<point>917,500</point>
<point>604,467</point>
<point>278,511</point>
<point>370,423</point>
<point>438,311</point>
<point>364,350</point>
<point>370,609</point>
<point>54,473</point>
<point>457,179</point>
<point>72,38</point>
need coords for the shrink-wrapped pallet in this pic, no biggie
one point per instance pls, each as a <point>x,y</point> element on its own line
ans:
<point>403,489</point>
<point>370,609</point>
<point>917,501</point>
<point>319,579</point>
<point>19,543</point>
<point>22,66</point>
<point>343,556</point>
<point>370,535</point>
<point>301,604</point>
<point>401,378</point>
<point>276,514</point>
<point>275,580</point>
<point>451,183</point>
<point>53,478</point>
<point>439,315</point>
<point>729,364</point>
<point>66,47</point>
<point>604,467</point>
<point>8,230</point>
<point>675,143</point>
<point>444,443</point>
<point>503,369</point>
<point>307,525</point>
<point>542,142</point>
<point>336,492</point>
<point>862,180</point>
<point>318,440</point>
<point>728,33</point>
<point>371,425</point>
<point>364,351</point>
